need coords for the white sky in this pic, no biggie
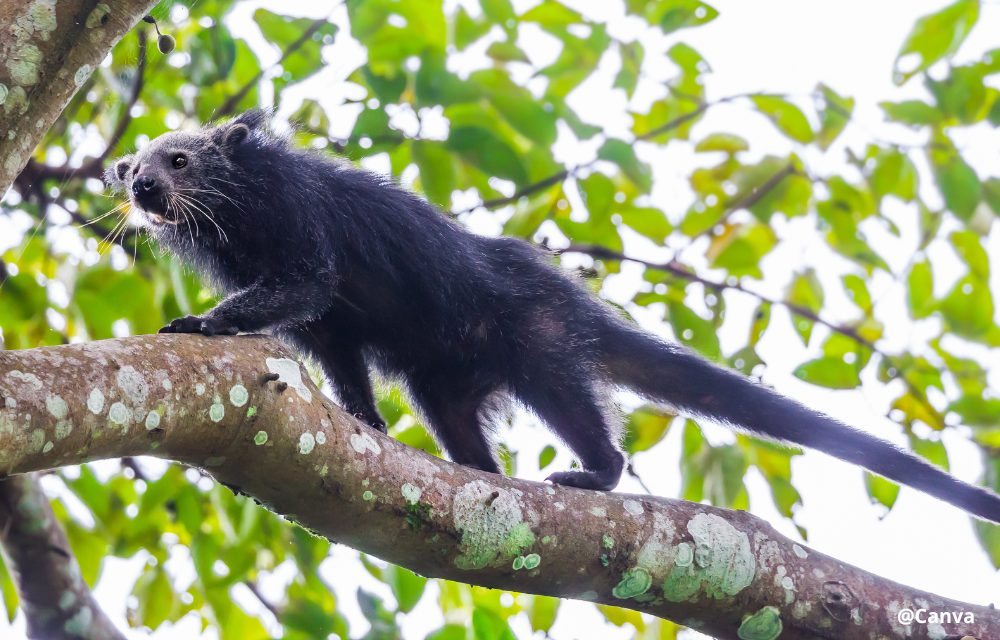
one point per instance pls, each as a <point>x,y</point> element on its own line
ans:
<point>783,46</point>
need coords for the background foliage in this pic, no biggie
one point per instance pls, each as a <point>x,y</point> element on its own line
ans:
<point>495,157</point>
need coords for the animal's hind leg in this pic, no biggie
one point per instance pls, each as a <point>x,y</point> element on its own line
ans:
<point>571,408</point>
<point>456,422</point>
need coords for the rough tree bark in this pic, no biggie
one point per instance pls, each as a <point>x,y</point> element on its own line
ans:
<point>56,601</point>
<point>48,50</point>
<point>213,403</point>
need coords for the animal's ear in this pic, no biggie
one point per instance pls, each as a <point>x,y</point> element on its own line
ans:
<point>239,128</point>
<point>116,173</point>
<point>234,134</point>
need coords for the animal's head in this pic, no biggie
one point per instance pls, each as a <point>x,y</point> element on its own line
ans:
<point>186,174</point>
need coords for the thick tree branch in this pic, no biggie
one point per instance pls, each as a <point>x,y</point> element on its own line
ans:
<point>48,50</point>
<point>209,402</point>
<point>54,597</point>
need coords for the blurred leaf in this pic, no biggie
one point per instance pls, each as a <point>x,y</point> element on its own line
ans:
<point>830,372</point>
<point>786,116</point>
<point>935,36</point>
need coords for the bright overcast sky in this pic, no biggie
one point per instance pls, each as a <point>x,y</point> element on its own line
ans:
<point>784,46</point>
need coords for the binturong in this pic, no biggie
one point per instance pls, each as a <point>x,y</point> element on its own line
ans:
<point>361,274</point>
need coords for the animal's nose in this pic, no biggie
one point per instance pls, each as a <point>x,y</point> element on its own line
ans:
<point>143,185</point>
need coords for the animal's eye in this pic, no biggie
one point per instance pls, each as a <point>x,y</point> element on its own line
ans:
<point>180,161</point>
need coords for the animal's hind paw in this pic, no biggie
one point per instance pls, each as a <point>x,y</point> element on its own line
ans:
<point>596,480</point>
<point>204,325</point>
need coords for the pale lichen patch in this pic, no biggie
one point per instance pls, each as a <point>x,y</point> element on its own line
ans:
<point>411,493</point>
<point>290,373</point>
<point>120,414</point>
<point>48,447</point>
<point>799,551</point>
<point>723,564</point>
<point>306,443</point>
<point>363,442</point>
<point>152,420</point>
<point>57,407</point>
<point>95,401</point>
<point>633,507</point>
<point>260,438</point>
<point>80,623</point>
<point>217,411</point>
<point>82,74</point>
<point>491,522</point>
<point>238,395</point>
<point>320,437</point>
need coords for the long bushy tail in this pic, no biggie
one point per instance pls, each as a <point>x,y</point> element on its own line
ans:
<point>668,373</point>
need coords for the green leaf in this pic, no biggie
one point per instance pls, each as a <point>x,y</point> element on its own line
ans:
<point>645,428</point>
<point>407,587</point>
<point>977,411</point>
<point>935,36</point>
<point>623,154</point>
<point>499,11</point>
<point>483,149</point>
<point>894,174</point>
<point>542,614</point>
<point>628,75</point>
<point>694,331</point>
<point>968,308</point>
<point>920,290</point>
<point>156,597</point>
<point>912,112</point>
<point>649,221</point>
<point>805,291</point>
<point>468,29</point>
<point>725,142</point>
<point>957,181</point>
<point>786,116</point>
<point>672,15</point>
<point>437,171</point>
<point>739,249</point>
<point>546,456</point>
<point>880,490</point>
<point>830,372</point>
<point>834,115</point>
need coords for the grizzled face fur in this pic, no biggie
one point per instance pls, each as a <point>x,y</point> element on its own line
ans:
<point>170,181</point>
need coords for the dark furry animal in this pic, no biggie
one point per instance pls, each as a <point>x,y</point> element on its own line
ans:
<point>358,272</point>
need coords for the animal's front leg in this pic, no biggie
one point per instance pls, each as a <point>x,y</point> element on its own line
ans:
<point>258,307</point>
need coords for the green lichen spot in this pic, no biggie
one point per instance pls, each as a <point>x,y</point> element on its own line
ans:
<point>723,561</point>
<point>368,496</point>
<point>636,581</point>
<point>411,493</point>
<point>608,541</point>
<point>238,395</point>
<point>217,411</point>
<point>37,440</point>
<point>518,563</point>
<point>47,447</point>
<point>546,539</point>
<point>532,560</point>
<point>306,443</point>
<point>763,625</point>
<point>152,421</point>
<point>260,438</point>
<point>251,412</point>
<point>67,600</point>
<point>491,522</point>
<point>3,93</point>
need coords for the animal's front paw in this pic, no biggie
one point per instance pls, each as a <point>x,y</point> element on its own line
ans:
<point>375,422</point>
<point>206,326</point>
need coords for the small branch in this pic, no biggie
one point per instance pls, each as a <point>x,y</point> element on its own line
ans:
<point>56,601</point>
<point>229,106</point>
<point>726,573</point>
<point>126,117</point>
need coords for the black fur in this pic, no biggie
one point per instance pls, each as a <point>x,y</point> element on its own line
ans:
<point>358,272</point>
